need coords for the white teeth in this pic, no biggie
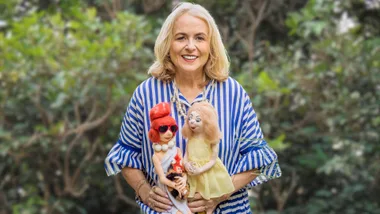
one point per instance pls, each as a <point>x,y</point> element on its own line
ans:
<point>189,57</point>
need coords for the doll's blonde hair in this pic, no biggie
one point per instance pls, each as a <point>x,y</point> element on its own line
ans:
<point>209,119</point>
<point>216,67</point>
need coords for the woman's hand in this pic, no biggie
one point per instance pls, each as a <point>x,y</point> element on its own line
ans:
<point>199,204</point>
<point>158,200</point>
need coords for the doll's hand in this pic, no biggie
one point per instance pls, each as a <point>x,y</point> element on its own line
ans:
<point>180,181</point>
<point>196,171</point>
<point>168,183</point>
<point>189,166</point>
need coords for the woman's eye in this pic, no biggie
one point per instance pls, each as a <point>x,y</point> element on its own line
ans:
<point>200,38</point>
<point>198,120</point>
<point>180,38</point>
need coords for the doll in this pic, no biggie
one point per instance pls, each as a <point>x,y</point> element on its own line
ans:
<point>176,170</point>
<point>206,173</point>
<point>167,158</point>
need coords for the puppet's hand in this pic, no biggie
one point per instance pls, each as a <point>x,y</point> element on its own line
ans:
<point>196,171</point>
<point>180,181</point>
<point>189,166</point>
<point>168,183</point>
<point>181,187</point>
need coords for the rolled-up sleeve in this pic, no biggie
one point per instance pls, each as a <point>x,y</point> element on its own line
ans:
<point>127,150</point>
<point>255,153</point>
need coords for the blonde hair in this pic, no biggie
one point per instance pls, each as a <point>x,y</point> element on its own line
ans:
<point>217,65</point>
<point>209,119</point>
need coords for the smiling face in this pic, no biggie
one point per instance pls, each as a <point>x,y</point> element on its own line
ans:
<point>195,122</point>
<point>190,48</point>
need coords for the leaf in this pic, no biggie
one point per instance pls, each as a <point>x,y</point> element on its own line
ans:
<point>265,83</point>
<point>278,143</point>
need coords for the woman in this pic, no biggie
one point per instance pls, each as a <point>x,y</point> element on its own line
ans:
<point>192,66</point>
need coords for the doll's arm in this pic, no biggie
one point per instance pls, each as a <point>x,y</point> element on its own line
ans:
<point>211,163</point>
<point>188,166</point>
<point>161,174</point>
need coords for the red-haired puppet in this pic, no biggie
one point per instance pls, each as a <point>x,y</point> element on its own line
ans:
<point>207,174</point>
<point>167,157</point>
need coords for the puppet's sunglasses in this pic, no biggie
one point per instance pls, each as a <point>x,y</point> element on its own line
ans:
<point>163,129</point>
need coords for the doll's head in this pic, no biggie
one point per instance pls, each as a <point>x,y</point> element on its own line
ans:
<point>163,127</point>
<point>202,119</point>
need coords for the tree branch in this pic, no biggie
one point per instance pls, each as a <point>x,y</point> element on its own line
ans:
<point>281,195</point>
<point>37,103</point>
<point>91,125</point>
<point>152,5</point>
<point>109,10</point>
<point>120,193</point>
<point>86,158</point>
<point>66,169</point>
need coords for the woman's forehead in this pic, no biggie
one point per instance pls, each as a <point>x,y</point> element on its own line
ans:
<point>189,24</point>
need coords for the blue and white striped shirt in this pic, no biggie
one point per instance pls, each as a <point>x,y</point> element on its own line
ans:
<point>241,148</point>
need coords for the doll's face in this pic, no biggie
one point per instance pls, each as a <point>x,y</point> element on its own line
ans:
<point>165,137</point>
<point>195,122</point>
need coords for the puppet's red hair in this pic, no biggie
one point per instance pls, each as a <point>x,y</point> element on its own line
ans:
<point>159,116</point>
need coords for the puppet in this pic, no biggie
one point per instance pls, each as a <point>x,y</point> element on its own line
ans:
<point>167,158</point>
<point>206,173</point>
<point>175,171</point>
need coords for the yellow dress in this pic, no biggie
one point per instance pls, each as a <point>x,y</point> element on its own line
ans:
<point>212,183</point>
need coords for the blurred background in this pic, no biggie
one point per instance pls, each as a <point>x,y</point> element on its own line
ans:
<point>68,69</point>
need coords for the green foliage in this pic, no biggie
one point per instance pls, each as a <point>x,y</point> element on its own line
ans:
<point>67,71</point>
<point>64,77</point>
<point>328,110</point>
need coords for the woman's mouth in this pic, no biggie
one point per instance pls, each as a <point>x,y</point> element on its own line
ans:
<point>189,58</point>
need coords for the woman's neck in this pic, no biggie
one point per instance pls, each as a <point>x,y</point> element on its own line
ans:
<point>189,81</point>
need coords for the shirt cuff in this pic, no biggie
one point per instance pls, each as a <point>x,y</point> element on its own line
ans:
<point>263,158</point>
<point>120,156</point>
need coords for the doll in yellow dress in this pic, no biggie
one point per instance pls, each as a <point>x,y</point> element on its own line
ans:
<point>206,173</point>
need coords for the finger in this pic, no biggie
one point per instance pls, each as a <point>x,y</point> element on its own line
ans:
<point>198,209</point>
<point>162,207</point>
<point>155,203</point>
<point>157,190</point>
<point>158,198</point>
<point>196,204</point>
<point>197,196</point>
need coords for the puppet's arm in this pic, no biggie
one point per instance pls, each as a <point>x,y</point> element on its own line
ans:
<point>211,163</point>
<point>161,174</point>
<point>188,165</point>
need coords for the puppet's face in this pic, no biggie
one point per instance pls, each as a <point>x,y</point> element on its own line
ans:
<point>165,137</point>
<point>195,122</point>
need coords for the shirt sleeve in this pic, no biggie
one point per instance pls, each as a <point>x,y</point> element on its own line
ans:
<point>254,151</point>
<point>127,150</point>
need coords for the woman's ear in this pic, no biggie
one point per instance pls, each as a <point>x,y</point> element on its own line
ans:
<point>154,136</point>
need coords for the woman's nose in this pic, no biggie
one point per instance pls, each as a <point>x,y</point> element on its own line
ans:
<point>190,45</point>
